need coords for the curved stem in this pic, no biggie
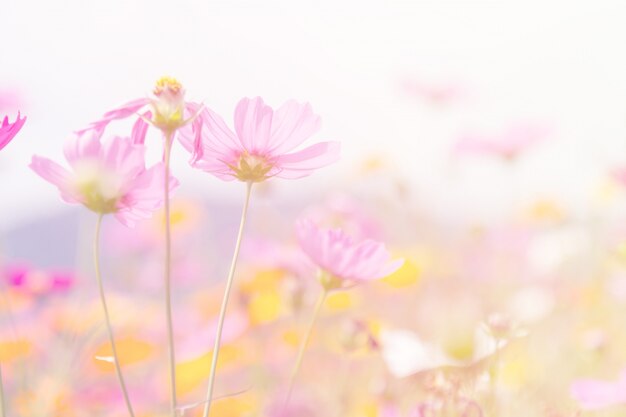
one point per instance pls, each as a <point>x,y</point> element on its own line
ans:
<point>168,273</point>
<point>307,336</point>
<point>229,284</point>
<point>116,362</point>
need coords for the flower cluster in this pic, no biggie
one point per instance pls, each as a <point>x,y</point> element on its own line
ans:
<point>108,175</point>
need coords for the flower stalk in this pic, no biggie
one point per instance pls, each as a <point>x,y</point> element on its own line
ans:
<point>305,342</point>
<point>105,309</point>
<point>227,290</point>
<point>168,273</point>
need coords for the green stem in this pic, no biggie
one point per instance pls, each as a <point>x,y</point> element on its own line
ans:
<point>229,284</point>
<point>305,342</point>
<point>116,361</point>
<point>168,273</point>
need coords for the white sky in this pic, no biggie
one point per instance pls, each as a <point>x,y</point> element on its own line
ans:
<point>558,61</point>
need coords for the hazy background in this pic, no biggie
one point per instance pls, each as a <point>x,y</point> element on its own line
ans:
<point>558,62</point>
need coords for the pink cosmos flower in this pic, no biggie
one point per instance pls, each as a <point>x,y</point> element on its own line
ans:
<point>262,145</point>
<point>508,144</point>
<point>167,110</point>
<point>593,394</point>
<point>341,259</point>
<point>9,130</point>
<point>107,177</point>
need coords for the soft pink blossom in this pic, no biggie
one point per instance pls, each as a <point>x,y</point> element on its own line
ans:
<point>262,143</point>
<point>619,175</point>
<point>264,253</point>
<point>108,177</point>
<point>347,213</point>
<point>593,394</point>
<point>166,110</point>
<point>508,144</point>
<point>434,92</point>
<point>339,256</point>
<point>9,130</point>
<point>11,99</point>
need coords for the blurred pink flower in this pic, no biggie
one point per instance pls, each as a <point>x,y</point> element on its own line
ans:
<point>619,175</point>
<point>259,148</point>
<point>271,254</point>
<point>35,281</point>
<point>342,258</point>
<point>594,394</point>
<point>11,99</point>
<point>9,130</point>
<point>197,335</point>
<point>351,215</point>
<point>299,406</point>
<point>508,144</point>
<point>167,110</point>
<point>107,177</point>
<point>437,93</point>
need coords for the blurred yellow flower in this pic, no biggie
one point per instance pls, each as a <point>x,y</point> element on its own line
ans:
<point>408,274</point>
<point>265,306</point>
<point>129,350</point>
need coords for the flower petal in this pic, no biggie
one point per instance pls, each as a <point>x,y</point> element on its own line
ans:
<point>292,124</point>
<point>9,130</point>
<point>302,163</point>
<point>122,112</point>
<point>253,123</point>
<point>56,175</point>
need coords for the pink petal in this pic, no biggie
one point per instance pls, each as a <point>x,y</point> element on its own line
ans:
<point>122,112</point>
<point>9,130</point>
<point>140,129</point>
<point>594,394</point>
<point>123,157</point>
<point>216,137</point>
<point>302,163</point>
<point>85,146</point>
<point>293,123</point>
<point>253,123</point>
<point>56,175</point>
<point>143,195</point>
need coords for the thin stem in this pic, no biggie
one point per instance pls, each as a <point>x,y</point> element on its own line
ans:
<point>305,342</point>
<point>116,361</point>
<point>229,284</point>
<point>168,273</point>
<point>2,402</point>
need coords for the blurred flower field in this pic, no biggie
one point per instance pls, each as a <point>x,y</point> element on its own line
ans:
<point>355,298</point>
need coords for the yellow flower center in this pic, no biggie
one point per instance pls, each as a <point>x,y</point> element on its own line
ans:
<point>251,168</point>
<point>169,84</point>
<point>100,190</point>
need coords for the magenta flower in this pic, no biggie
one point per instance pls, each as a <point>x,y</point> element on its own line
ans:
<point>33,281</point>
<point>9,130</point>
<point>593,394</point>
<point>107,177</point>
<point>167,110</point>
<point>342,260</point>
<point>262,144</point>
